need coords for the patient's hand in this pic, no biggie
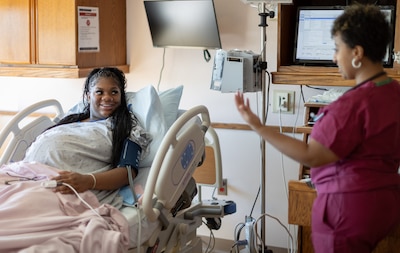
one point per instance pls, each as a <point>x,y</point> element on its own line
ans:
<point>78,181</point>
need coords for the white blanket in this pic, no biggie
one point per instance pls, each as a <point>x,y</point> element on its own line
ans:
<point>35,219</point>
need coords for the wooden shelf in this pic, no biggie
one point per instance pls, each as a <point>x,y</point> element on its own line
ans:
<point>325,76</point>
<point>292,74</point>
<point>304,129</point>
<point>53,71</point>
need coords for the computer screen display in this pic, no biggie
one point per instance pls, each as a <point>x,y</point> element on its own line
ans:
<point>313,41</point>
<point>183,23</point>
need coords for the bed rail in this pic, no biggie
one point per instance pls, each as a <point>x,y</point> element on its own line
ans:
<point>23,135</point>
<point>177,157</point>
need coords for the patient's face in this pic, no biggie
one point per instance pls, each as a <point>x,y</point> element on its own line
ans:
<point>104,98</point>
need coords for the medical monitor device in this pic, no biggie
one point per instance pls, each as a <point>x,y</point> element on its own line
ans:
<point>236,70</point>
<point>313,41</point>
<point>183,23</point>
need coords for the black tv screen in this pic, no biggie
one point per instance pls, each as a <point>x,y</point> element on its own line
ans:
<point>313,41</point>
<point>183,23</point>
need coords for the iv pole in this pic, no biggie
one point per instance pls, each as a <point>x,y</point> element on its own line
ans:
<point>263,24</point>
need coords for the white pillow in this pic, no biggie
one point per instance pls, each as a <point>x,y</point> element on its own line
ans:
<point>170,100</point>
<point>156,113</point>
<point>146,106</point>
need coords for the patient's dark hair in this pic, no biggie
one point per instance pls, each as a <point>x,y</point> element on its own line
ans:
<point>121,117</point>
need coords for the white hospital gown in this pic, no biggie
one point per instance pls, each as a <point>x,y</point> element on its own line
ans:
<point>83,147</point>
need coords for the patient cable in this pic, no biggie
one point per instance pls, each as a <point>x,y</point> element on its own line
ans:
<point>54,183</point>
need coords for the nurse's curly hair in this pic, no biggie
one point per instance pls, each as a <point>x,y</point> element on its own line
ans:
<point>366,26</point>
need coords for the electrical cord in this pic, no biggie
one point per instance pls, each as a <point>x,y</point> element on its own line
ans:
<point>53,184</point>
<point>161,71</point>
<point>81,199</point>
<point>257,238</point>
<point>316,88</point>
<point>139,238</point>
<point>136,205</point>
<point>213,194</point>
<point>267,95</point>
<point>302,93</point>
<point>211,241</point>
<point>238,242</point>
<point>50,184</point>
<point>255,201</point>
<point>290,249</point>
<point>282,160</point>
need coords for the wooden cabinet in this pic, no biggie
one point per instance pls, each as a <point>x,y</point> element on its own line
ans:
<point>301,198</point>
<point>289,73</point>
<point>40,38</point>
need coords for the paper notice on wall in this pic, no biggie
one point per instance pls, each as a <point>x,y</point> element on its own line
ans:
<point>88,29</point>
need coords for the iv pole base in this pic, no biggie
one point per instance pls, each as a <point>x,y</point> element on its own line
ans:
<point>266,250</point>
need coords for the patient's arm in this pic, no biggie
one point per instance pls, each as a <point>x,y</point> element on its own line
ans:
<point>107,180</point>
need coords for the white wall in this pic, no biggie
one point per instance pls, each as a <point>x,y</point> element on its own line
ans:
<point>240,149</point>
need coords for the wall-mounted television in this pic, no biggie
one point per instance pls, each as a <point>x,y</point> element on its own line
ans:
<point>183,23</point>
<point>313,41</point>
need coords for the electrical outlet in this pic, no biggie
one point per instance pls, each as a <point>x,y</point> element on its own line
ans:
<point>223,190</point>
<point>283,101</point>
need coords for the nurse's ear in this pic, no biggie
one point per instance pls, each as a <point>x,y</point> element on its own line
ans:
<point>358,52</point>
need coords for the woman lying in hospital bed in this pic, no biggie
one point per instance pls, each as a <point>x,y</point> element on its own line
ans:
<point>84,151</point>
<point>87,146</point>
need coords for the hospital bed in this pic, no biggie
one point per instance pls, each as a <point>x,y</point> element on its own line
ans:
<point>167,218</point>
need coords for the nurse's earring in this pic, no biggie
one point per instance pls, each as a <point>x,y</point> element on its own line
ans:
<point>353,63</point>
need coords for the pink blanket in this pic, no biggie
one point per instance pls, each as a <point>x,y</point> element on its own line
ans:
<point>35,219</point>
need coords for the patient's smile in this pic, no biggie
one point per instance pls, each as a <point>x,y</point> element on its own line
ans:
<point>105,97</point>
<point>108,109</point>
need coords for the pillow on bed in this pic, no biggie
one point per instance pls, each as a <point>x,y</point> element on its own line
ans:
<point>170,104</point>
<point>156,112</point>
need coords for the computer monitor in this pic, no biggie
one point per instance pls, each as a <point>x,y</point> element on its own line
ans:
<point>183,23</point>
<point>313,41</point>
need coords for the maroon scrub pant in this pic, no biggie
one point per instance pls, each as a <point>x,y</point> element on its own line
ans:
<point>353,222</point>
